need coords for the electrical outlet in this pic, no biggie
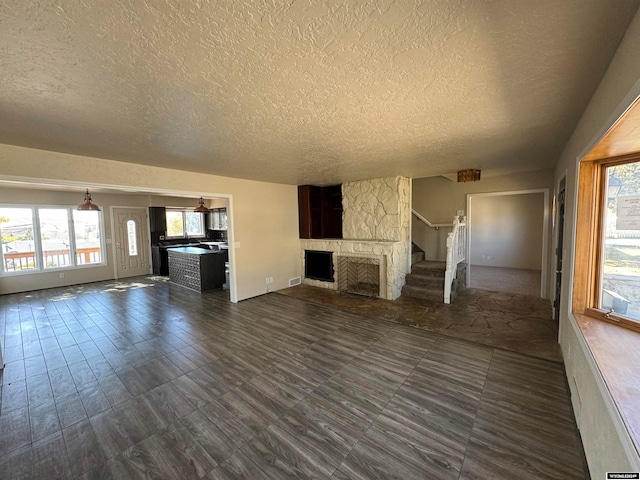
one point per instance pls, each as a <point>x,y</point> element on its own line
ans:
<point>484,257</point>
<point>62,275</point>
<point>270,279</point>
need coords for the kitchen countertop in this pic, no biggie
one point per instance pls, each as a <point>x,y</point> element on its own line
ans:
<point>192,250</point>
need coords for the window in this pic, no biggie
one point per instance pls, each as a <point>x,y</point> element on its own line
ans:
<point>175,224</point>
<point>36,239</point>
<point>184,224</point>
<point>132,238</point>
<point>620,274</point>
<point>194,224</point>
<point>18,244</point>
<point>54,237</point>
<point>607,276</point>
<point>86,229</point>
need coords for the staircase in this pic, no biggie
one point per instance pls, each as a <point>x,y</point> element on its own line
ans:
<point>439,281</point>
<point>417,254</point>
<point>426,280</point>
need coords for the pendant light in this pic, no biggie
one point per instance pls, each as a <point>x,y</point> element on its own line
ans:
<point>201,208</point>
<point>469,175</point>
<point>87,205</point>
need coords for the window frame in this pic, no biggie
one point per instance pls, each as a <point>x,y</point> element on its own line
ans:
<point>185,234</point>
<point>39,252</point>
<point>590,237</point>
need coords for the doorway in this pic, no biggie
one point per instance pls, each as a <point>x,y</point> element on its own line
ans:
<point>131,241</point>
<point>507,241</point>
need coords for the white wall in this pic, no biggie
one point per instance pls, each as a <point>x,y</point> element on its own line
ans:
<point>263,225</point>
<point>507,230</point>
<point>607,445</point>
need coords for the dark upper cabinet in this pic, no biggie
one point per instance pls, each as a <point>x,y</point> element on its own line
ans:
<point>158,219</point>
<point>320,211</point>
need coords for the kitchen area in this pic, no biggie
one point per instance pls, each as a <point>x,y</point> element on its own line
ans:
<point>190,245</point>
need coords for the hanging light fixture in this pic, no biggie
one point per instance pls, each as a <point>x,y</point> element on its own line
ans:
<point>469,175</point>
<point>87,205</point>
<point>201,208</point>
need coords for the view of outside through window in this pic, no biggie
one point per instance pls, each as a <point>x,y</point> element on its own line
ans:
<point>18,247</point>
<point>180,222</point>
<point>86,225</point>
<point>195,225</point>
<point>175,226</point>
<point>621,270</point>
<point>132,238</point>
<point>54,232</point>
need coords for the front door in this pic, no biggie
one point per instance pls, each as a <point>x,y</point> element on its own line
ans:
<point>132,242</point>
<point>559,248</point>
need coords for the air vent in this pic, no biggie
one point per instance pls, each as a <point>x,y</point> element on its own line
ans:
<point>295,281</point>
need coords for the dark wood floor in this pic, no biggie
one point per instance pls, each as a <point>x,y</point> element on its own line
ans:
<point>143,379</point>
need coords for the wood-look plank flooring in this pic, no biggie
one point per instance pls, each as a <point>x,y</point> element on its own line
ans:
<point>142,379</point>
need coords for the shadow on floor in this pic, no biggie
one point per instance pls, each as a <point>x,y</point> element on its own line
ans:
<point>518,323</point>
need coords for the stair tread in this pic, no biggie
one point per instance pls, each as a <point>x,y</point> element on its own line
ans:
<point>425,280</point>
<point>421,288</point>
<point>432,264</point>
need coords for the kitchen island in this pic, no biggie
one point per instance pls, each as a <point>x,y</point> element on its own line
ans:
<point>196,268</point>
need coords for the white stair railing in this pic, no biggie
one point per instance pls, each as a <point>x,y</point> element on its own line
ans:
<point>456,250</point>
<point>428,223</point>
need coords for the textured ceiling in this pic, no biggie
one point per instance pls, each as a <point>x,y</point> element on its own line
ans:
<point>305,91</point>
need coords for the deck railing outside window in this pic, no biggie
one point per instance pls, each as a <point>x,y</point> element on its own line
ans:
<point>17,261</point>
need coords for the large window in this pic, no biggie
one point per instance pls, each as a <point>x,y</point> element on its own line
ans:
<point>87,234</point>
<point>607,276</point>
<point>18,244</point>
<point>620,274</point>
<point>182,224</point>
<point>35,239</point>
<point>54,237</point>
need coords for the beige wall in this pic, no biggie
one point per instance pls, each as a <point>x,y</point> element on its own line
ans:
<point>507,230</point>
<point>607,444</point>
<point>263,226</point>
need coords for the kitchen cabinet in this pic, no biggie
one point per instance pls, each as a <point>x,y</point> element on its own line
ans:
<point>320,211</point>
<point>159,260</point>
<point>217,219</point>
<point>158,219</point>
<point>196,268</point>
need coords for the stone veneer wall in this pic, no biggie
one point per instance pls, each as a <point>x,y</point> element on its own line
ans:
<point>377,219</point>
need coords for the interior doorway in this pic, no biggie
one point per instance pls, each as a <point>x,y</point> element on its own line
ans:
<point>507,241</point>
<point>131,241</point>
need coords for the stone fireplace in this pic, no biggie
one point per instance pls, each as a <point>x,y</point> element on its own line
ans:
<point>376,227</point>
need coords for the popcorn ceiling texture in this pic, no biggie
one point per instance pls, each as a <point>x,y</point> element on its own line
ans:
<point>303,91</point>
<point>376,222</point>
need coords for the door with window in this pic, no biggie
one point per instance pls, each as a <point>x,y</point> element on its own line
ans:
<point>132,242</point>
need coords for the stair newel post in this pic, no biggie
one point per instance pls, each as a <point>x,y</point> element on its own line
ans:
<point>448,275</point>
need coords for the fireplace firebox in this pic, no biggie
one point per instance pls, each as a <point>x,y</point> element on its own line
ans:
<point>318,265</point>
